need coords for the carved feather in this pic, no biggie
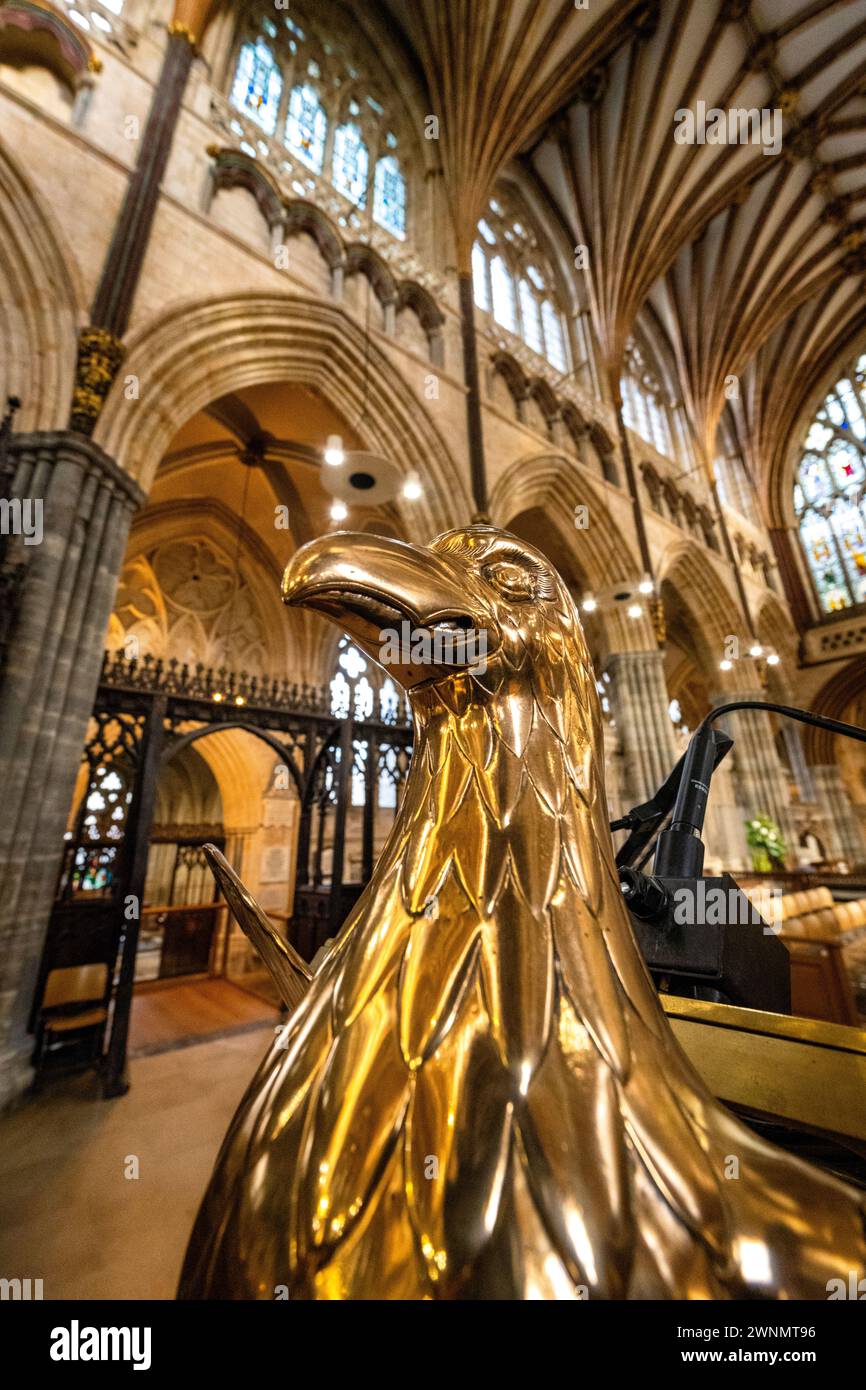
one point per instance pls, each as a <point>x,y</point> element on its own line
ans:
<point>289,971</point>
<point>480,1095</point>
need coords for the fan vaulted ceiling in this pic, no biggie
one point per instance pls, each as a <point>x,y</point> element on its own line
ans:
<point>753,264</point>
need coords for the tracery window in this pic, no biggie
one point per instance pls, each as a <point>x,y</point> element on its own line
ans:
<point>830,491</point>
<point>300,81</point>
<point>351,164</point>
<point>644,407</point>
<point>353,692</point>
<point>389,202</point>
<point>258,84</point>
<point>513,280</point>
<point>307,126</point>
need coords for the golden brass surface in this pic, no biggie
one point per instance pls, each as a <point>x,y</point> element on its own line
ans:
<point>801,1070</point>
<point>289,971</point>
<point>480,1095</point>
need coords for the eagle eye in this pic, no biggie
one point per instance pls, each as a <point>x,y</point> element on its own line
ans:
<point>511,580</point>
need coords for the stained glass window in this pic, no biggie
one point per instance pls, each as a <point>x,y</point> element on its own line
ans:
<point>307,126</point>
<point>389,196</point>
<point>351,164</point>
<point>530,314</point>
<point>504,307</point>
<point>480,283</point>
<point>643,404</point>
<point>103,824</point>
<point>257,85</point>
<point>554,341</point>
<point>295,82</point>
<point>512,280</point>
<point>830,494</point>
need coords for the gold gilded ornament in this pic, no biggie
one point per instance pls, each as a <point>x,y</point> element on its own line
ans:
<point>100,355</point>
<point>486,1100</point>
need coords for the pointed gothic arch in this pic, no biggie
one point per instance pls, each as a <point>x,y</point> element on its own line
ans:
<point>202,350</point>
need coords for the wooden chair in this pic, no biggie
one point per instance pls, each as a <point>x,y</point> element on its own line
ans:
<point>72,1014</point>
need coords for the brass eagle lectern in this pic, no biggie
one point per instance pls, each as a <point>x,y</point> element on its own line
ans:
<point>481,1096</point>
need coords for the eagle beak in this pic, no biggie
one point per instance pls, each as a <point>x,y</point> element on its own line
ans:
<point>410,609</point>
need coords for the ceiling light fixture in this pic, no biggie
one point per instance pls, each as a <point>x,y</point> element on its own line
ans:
<point>339,511</point>
<point>334,452</point>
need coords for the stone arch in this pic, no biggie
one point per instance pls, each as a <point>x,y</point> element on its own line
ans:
<point>301,216</point>
<point>234,169</point>
<point>186,790</point>
<point>43,297</point>
<point>575,424</point>
<point>210,520</point>
<point>361,259</point>
<point>504,365</point>
<point>412,296</point>
<point>204,349</point>
<point>208,731</point>
<point>549,483</point>
<point>46,37</point>
<point>775,629</point>
<point>546,399</point>
<point>709,603</point>
<point>605,450</point>
<point>834,699</point>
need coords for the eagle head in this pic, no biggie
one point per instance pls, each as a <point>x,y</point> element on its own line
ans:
<point>481,611</point>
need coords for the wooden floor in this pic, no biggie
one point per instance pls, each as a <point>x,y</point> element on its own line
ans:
<point>167,1015</point>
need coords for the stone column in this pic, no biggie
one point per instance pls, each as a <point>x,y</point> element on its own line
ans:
<point>640,703</point>
<point>617,797</point>
<point>761,781</point>
<point>47,689</point>
<point>844,834</point>
<point>724,827</point>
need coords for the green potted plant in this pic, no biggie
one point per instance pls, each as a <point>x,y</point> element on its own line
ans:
<point>766,844</point>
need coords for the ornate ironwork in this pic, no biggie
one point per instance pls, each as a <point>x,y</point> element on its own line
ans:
<point>226,691</point>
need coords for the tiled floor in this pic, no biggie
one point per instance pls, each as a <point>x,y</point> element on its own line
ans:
<point>70,1217</point>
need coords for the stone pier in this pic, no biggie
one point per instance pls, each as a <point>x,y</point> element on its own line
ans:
<point>47,688</point>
